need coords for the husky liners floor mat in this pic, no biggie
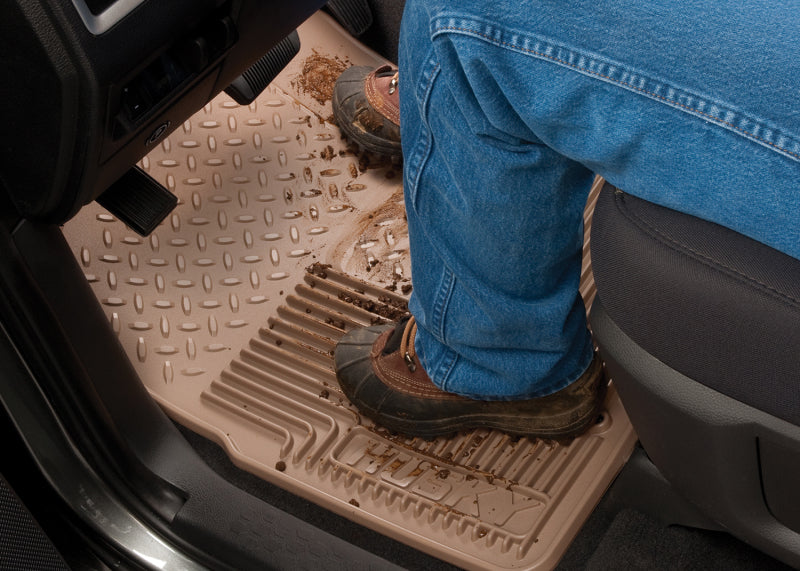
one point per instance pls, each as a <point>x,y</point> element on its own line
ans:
<point>232,334</point>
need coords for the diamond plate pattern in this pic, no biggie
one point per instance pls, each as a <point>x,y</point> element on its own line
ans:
<point>260,188</point>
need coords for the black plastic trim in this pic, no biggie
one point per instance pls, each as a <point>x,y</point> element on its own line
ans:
<point>780,465</point>
<point>49,351</point>
<point>703,442</point>
<point>73,352</point>
<point>108,18</point>
<point>73,481</point>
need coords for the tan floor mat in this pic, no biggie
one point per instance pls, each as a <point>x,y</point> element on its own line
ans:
<point>233,337</point>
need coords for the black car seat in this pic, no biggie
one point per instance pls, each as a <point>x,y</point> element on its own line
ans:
<point>700,329</point>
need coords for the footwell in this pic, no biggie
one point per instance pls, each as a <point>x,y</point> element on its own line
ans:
<point>284,238</point>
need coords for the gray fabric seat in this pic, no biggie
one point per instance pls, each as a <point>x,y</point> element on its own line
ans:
<point>720,308</point>
<point>700,328</point>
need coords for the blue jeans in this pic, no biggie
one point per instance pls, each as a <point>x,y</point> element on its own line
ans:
<point>507,111</point>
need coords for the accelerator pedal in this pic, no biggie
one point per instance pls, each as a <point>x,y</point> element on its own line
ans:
<point>138,200</point>
<point>354,15</point>
<point>252,82</point>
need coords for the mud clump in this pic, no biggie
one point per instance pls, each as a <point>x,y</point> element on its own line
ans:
<point>385,307</point>
<point>319,76</point>
<point>372,124</point>
<point>363,162</point>
<point>337,323</point>
<point>319,270</point>
<point>328,153</point>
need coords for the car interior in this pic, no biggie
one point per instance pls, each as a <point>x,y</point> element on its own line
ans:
<point>185,235</point>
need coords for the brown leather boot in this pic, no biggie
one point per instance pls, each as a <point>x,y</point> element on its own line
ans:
<point>366,105</point>
<point>380,374</point>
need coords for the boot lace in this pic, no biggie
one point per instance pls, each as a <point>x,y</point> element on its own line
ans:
<point>407,344</point>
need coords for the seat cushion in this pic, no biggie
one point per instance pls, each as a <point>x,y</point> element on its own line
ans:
<point>708,302</point>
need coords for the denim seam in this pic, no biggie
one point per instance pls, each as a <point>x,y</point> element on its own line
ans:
<point>440,304</point>
<point>421,153</point>
<point>442,300</point>
<point>637,89</point>
<point>446,368</point>
<point>704,259</point>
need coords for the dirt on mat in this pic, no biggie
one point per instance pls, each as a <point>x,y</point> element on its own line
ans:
<point>385,307</point>
<point>319,75</point>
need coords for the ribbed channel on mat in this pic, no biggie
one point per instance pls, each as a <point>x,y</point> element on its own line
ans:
<point>481,486</point>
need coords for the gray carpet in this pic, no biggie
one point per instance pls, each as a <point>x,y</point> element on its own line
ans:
<point>635,541</point>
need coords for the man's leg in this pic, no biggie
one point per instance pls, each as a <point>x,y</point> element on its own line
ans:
<point>495,225</point>
<point>506,110</point>
<point>495,222</point>
<point>691,105</point>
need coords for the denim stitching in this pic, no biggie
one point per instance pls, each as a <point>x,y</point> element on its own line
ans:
<point>423,150</point>
<point>628,85</point>
<point>700,257</point>
<point>442,300</point>
<point>440,304</point>
<point>447,363</point>
<point>447,369</point>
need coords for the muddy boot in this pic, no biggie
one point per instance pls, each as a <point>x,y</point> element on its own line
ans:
<point>380,374</point>
<point>366,107</point>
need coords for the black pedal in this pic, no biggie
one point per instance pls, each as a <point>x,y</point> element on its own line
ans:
<point>138,200</point>
<point>354,15</point>
<point>252,82</point>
